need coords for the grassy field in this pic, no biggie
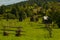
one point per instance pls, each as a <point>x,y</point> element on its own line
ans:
<point>32,31</point>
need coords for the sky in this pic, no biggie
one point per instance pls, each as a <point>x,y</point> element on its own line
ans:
<point>8,2</point>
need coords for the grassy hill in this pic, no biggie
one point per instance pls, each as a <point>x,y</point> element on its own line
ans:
<point>32,31</point>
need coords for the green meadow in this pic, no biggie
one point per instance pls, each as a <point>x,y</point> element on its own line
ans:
<point>32,30</point>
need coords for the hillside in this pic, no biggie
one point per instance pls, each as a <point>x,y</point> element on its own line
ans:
<point>31,8</point>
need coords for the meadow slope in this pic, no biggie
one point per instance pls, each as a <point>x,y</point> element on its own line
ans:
<point>32,31</point>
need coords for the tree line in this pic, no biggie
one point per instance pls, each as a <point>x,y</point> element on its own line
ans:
<point>31,8</point>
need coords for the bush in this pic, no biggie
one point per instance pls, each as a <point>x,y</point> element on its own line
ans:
<point>9,16</point>
<point>58,22</point>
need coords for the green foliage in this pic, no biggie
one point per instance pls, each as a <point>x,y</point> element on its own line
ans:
<point>9,16</point>
<point>28,8</point>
